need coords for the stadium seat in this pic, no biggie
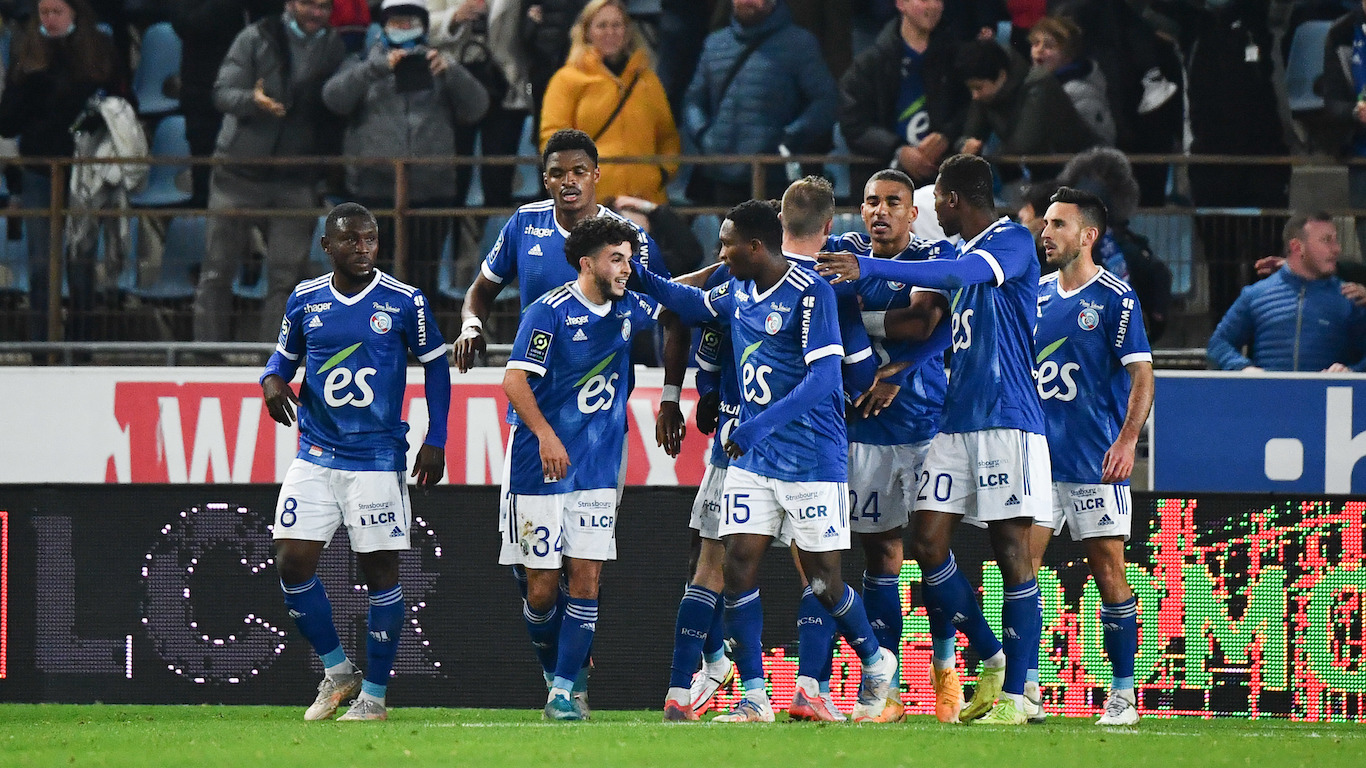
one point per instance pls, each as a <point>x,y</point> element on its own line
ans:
<point>1304,65</point>
<point>837,167</point>
<point>161,190</point>
<point>706,228</point>
<point>527,182</point>
<point>848,222</point>
<point>254,290</point>
<point>1172,239</point>
<point>446,284</point>
<point>13,262</point>
<point>319,263</point>
<point>160,61</point>
<point>180,258</point>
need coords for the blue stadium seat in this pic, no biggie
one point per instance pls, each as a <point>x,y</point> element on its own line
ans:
<point>445,271</point>
<point>160,61</point>
<point>255,290</point>
<point>848,222</point>
<point>181,255</point>
<point>527,182</point>
<point>161,190</point>
<point>837,167</point>
<point>706,228</point>
<point>13,262</point>
<point>319,263</point>
<point>1172,239</point>
<point>1304,65</point>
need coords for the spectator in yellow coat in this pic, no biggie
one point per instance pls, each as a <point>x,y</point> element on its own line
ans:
<point>608,90</point>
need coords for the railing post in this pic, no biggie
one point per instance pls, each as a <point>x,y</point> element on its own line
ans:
<point>756,179</point>
<point>400,220</point>
<point>54,251</point>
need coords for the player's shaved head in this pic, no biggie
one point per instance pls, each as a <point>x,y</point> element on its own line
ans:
<point>591,235</point>
<point>808,205</point>
<point>757,220</point>
<point>346,211</point>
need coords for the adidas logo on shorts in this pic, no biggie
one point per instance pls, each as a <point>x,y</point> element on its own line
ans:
<point>396,533</point>
<point>1012,501</point>
<point>1105,520</point>
<point>830,532</point>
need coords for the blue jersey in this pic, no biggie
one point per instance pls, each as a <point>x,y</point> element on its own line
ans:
<point>914,414</point>
<point>1085,338</point>
<point>579,355</point>
<point>991,373</point>
<point>775,336</point>
<point>355,355</point>
<point>714,356</point>
<point>530,249</point>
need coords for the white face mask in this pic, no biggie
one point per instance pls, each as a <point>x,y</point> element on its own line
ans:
<point>401,36</point>
<point>43,31</point>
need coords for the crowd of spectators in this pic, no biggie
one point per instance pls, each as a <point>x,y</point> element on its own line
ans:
<point>904,83</point>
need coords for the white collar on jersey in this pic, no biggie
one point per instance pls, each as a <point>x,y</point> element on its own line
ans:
<point>762,296</point>
<point>351,300</point>
<point>969,245</point>
<point>602,211</point>
<point>803,258</point>
<point>1069,294</point>
<point>600,310</point>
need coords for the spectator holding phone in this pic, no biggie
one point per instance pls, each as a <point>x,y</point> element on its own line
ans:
<point>405,99</point>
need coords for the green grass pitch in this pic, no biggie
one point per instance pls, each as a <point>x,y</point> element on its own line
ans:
<point>116,735</point>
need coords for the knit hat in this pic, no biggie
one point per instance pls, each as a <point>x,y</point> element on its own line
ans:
<point>416,8</point>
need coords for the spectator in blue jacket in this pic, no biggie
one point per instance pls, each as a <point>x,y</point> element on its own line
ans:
<point>1297,319</point>
<point>781,97</point>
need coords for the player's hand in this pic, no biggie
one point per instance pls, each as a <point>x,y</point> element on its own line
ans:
<point>1268,264</point>
<point>972,146</point>
<point>265,103</point>
<point>879,396</point>
<point>554,458</point>
<point>842,266</point>
<point>1355,292</point>
<point>470,344</point>
<point>1119,462</point>
<point>670,428</point>
<point>734,451</point>
<point>436,62</point>
<point>281,402</point>
<point>430,465</point>
<point>708,412</point>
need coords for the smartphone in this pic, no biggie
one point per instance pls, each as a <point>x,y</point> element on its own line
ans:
<point>413,73</point>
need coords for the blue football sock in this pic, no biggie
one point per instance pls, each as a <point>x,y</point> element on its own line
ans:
<point>1033,676</point>
<point>1120,622</point>
<point>544,629</point>
<point>745,628</point>
<point>815,636</point>
<point>695,613</point>
<point>381,644</point>
<point>948,593</point>
<point>312,613</point>
<point>853,623</point>
<point>714,647</point>
<point>519,574</point>
<point>1020,628</point>
<point>576,638</point>
<point>882,601</point>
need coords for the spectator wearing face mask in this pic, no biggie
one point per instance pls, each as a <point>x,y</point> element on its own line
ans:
<point>405,99</point>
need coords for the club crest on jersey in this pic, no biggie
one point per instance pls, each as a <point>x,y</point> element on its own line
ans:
<point>773,323</point>
<point>380,322</point>
<point>896,286</point>
<point>626,329</point>
<point>1088,319</point>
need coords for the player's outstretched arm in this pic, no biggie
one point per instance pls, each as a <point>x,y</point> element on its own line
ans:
<point>699,278</point>
<point>690,304</point>
<point>478,301</point>
<point>671,427</point>
<point>948,274</point>
<point>1118,464</point>
<point>554,458</point>
<point>822,377</point>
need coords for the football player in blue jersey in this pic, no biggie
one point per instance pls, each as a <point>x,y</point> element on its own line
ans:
<point>530,250</point>
<point>989,463</point>
<point>1096,382</point>
<point>352,330</point>
<point>788,449</point>
<point>890,431</point>
<point>566,380</point>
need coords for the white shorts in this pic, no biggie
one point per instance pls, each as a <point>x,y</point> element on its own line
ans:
<point>994,474</point>
<point>882,483</point>
<point>1092,510</point>
<point>706,507</point>
<point>812,515</point>
<point>539,530</point>
<point>314,501</point>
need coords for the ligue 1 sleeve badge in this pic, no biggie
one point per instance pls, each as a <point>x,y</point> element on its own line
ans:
<point>773,323</point>
<point>380,322</point>
<point>1088,319</point>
